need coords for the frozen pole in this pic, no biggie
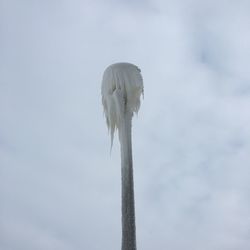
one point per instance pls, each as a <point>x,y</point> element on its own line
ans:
<point>122,87</point>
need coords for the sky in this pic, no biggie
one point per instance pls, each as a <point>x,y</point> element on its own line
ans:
<point>59,184</point>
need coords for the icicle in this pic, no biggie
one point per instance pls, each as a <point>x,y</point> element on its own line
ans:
<point>122,86</point>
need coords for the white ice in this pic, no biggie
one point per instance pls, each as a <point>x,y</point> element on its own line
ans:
<point>122,86</point>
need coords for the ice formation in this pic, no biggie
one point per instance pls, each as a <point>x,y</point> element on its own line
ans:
<point>122,86</point>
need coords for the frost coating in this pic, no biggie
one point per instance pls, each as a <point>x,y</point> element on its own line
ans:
<point>122,86</point>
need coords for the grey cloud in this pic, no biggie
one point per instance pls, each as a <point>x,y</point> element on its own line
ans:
<point>60,189</point>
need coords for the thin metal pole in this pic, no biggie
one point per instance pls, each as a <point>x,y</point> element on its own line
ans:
<point>128,204</point>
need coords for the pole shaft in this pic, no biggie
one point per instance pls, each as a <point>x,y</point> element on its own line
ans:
<point>128,205</point>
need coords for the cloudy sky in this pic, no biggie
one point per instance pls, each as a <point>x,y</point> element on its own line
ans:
<point>59,185</point>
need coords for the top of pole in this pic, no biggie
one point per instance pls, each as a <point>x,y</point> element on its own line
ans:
<point>122,86</point>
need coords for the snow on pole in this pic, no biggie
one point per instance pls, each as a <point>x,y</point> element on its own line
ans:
<point>122,87</point>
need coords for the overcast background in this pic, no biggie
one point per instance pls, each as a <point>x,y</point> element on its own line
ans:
<point>59,185</point>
